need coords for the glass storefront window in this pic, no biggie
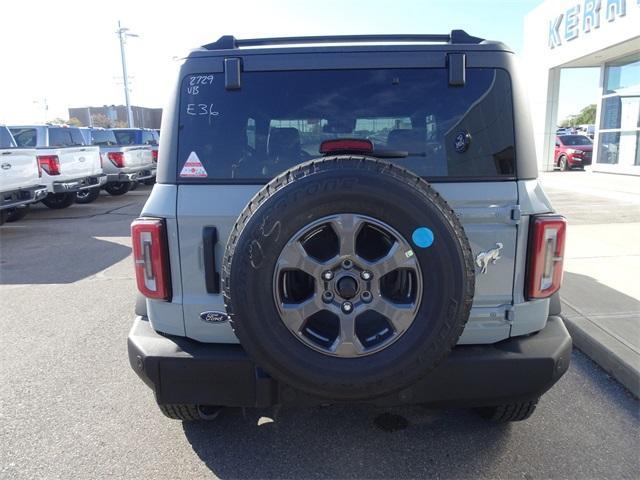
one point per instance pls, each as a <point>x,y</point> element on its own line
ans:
<point>623,74</point>
<point>618,142</point>
<point>620,113</point>
<point>619,148</point>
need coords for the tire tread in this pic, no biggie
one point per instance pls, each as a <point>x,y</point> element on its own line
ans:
<point>181,412</point>
<point>509,412</point>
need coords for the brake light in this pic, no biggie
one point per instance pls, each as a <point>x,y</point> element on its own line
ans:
<point>50,164</point>
<point>546,255</point>
<point>346,145</point>
<point>151,257</point>
<point>117,158</point>
<point>154,154</point>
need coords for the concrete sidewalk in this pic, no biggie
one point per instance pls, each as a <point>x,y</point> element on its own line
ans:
<point>601,288</point>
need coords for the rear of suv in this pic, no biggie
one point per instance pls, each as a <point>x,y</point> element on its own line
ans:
<point>348,219</point>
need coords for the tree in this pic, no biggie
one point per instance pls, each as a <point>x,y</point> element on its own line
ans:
<point>100,120</point>
<point>74,122</point>
<point>587,116</point>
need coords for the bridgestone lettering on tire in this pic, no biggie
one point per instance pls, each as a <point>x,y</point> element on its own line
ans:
<point>327,289</point>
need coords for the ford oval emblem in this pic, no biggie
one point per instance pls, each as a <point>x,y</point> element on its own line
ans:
<point>81,159</point>
<point>462,141</point>
<point>6,166</point>
<point>214,317</point>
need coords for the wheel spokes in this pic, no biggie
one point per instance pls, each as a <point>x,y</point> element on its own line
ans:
<point>294,256</point>
<point>399,314</point>
<point>347,344</point>
<point>329,311</point>
<point>294,315</point>
<point>397,257</point>
<point>346,226</point>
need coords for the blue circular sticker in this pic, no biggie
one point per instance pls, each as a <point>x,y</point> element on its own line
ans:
<point>462,141</point>
<point>422,237</point>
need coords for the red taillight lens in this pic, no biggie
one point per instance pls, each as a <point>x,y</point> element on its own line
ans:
<point>546,255</point>
<point>50,164</point>
<point>151,257</point>
<point>346,145</point>
<point>117,158</point>
<point>154,154</point>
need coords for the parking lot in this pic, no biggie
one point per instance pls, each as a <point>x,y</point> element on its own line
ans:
<point>71,407</point>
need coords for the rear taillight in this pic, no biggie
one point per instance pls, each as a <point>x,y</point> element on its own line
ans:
<point>154,154</point>
<point>151,257</point>
<point>50,164</point>
<point>546,255</point>
<point>39,168</point>
<point>117,158</point>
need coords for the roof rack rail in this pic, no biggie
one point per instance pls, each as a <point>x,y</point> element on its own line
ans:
<point>229,42</point>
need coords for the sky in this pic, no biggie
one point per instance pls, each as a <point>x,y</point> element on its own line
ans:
<point>68,52</point>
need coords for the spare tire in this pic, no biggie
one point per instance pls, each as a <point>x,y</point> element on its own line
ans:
<point>348,278</point>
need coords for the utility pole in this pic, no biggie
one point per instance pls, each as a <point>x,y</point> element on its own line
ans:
<point>123,33</point>
<point>45,106</point>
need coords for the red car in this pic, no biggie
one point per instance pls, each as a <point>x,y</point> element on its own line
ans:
<point>572,151</point>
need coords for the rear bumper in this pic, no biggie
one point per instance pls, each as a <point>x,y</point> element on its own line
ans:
<point>126,177</point>
<point>79,184</point>
<point>183,371</point>
<point>22,196</point>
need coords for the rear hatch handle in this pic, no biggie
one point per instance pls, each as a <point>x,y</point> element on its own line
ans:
<point>211,274</point>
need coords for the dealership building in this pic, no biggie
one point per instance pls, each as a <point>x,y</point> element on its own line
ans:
<point>587,33</point>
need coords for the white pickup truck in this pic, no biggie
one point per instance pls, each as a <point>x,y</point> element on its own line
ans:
<point>124,165</point>
<point>20,182</point>
<point>68,164</point>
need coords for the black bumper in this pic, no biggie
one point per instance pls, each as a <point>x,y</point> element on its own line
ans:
<point>79,184</point>
<point>22,196</point>
<point>126,177</point>
<point>183,371</point>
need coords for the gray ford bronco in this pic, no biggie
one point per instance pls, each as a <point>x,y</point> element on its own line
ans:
<point>348,219</point>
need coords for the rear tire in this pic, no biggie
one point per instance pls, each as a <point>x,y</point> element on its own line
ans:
<point>87,196</point>
<point>117,188</point>
<point>15,214</point>
<point>190,413</point>
<point>150,181</point>
<point>57,201</point>
<point>509,412</point>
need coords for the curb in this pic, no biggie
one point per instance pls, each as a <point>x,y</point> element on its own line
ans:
<point>616,358</point>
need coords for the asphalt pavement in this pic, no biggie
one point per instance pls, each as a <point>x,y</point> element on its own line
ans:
<point>71,407</point>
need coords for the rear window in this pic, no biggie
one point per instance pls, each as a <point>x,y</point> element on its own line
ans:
<point>6,140</point>
<point>149,137</point>
<point>65,137</point>
<point>126,137</point>
<point>279,119</point>
<point>25,137</point>
<point>575,140</point>
<point>103,138</point>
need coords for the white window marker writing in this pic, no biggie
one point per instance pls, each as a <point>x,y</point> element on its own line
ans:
<point>193,167</point>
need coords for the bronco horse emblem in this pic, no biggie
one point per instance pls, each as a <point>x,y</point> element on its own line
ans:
<point>492,256</point>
